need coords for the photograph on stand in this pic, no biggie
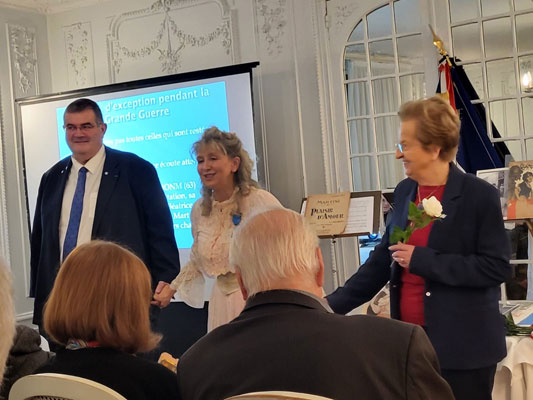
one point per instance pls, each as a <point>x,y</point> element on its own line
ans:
<point>497,177</point>
<point>520,190</point>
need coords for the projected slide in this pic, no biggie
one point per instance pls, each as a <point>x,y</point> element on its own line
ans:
<point>161,127</point>
<point>157,118</point>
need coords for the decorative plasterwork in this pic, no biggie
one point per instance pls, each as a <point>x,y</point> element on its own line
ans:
<point>49,6</point>
<point>4,235</point>
<point>272,22</point>
<point>79,54</point>
<point>170,40</point>
<point>342,13</point>
<point>23,57</point>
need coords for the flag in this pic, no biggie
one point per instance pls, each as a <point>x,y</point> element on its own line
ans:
<point>476,151</point>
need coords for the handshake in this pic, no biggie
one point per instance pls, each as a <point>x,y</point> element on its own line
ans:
<point>162,295</point>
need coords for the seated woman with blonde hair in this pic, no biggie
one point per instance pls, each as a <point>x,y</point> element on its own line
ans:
<point>99,310</point>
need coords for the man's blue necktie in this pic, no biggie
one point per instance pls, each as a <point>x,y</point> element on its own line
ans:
<point>71,237</point>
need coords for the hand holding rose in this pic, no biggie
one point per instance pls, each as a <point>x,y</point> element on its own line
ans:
<point>402,253</point>
<point>419,217</point>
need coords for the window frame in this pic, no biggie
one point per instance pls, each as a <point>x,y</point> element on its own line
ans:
<point>373,115</point>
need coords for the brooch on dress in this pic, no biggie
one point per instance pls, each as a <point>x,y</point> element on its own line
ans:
<point>236,218</point>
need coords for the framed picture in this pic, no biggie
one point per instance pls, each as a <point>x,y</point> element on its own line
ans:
<point>497,177</point>
<point>520,190</point>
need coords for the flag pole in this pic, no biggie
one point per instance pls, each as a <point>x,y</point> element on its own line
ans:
<point>439,44</point>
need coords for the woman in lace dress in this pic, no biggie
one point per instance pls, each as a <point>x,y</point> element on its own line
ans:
<point>229,195</point>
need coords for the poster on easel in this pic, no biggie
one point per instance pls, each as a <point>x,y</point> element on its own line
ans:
<point>520,190</point>
<point>328,213</point>
<point>363,214</point>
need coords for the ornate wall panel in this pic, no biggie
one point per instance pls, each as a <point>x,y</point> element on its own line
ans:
<point>4,233</point>
<point>341,16</point>
<point>170,36</point>
<point>272,20</point>
<point>79,55</point>
<point>22,54</point>
<point>23,60</point>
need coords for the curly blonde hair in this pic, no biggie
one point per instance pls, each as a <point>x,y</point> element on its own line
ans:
<point>230,145</point>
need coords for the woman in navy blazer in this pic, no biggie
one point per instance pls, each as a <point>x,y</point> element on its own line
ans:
<point>447,276</point>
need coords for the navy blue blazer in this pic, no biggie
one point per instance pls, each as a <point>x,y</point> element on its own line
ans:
<point>464,263</point>
<point>131,209</point>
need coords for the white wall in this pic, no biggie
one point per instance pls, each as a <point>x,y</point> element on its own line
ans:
<point>24,71</point>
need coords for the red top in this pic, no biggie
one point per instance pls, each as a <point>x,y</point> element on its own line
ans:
<point>412,289</point>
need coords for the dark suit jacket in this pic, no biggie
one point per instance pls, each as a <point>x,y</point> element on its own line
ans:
<point>464,263</point>
<point>131,210</point>
<point>133,377</point>
<point>286,340</point>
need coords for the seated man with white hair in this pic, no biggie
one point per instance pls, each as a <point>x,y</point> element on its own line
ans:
<point>288,339</point>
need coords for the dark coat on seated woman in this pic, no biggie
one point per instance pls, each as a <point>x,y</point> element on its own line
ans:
<point>25,357</point>
<point>103,320</point>
<point>133,377</point>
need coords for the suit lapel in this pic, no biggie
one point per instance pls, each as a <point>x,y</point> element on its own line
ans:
<point>400,219</point>
<point>452,195</point>
<point>56,198</point>
<point>401,211</point>
<point>108,183</point>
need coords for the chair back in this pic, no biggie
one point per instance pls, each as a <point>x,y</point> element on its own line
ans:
<point>60,387</point>
<point>277,395</point>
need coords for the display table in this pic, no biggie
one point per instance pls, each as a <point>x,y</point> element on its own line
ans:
<point>514,374</point>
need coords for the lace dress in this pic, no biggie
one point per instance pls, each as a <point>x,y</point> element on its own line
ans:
<point>210,256</point>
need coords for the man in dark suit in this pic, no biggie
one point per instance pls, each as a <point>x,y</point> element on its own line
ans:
<point>98,193</point>
<point>288,339</point>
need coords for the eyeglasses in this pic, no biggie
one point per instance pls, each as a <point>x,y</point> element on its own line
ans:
<point>83,127</point>
<point>400,147</point>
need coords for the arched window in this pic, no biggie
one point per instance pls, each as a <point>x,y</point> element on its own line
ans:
<point>383,67</point>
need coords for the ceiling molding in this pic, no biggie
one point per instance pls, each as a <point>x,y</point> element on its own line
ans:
<point>48,6</point>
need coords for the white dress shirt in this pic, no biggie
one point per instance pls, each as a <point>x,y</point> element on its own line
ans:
<point>95,167</point>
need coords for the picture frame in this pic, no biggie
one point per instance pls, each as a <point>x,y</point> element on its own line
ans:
<point>498,178</point>
<point>519,194</point>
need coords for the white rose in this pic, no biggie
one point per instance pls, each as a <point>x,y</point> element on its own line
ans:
<point>432,207</point>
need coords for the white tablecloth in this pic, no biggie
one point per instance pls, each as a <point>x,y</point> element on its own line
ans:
<point>514,374</point>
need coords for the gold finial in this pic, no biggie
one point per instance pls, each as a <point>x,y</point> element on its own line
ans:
<point>438,43</point>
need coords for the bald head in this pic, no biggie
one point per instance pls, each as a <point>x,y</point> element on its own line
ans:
<point>277,249</point>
